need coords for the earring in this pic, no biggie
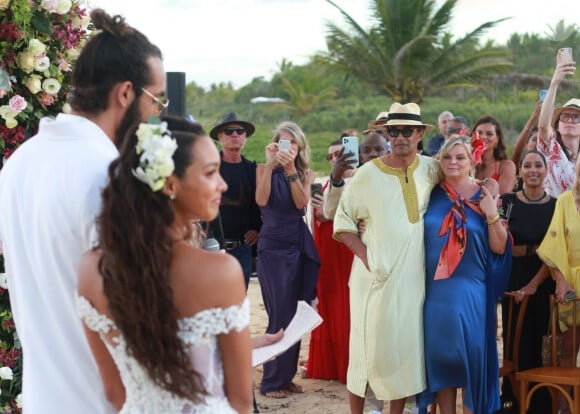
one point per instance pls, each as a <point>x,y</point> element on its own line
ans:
<point>172,197</point>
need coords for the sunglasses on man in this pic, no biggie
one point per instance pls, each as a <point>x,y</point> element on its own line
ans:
<point>230,130</point>
<point>406,132</point>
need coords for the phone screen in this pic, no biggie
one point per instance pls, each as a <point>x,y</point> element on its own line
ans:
<point>284,145</point>
<point>542,94</point>
<point>351,145</point>
<point>315,188</point>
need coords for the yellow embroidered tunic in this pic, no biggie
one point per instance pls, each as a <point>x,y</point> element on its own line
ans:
<point>386,337</point>
<point>560,248</point>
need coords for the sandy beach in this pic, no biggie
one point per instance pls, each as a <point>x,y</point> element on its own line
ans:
<point>320,397</point>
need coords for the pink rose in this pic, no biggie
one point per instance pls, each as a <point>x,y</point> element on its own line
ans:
<point>46,99</point>
<point>17,103</point>
<point>50,5</point>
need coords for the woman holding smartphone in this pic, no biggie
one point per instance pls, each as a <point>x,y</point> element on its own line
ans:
<point>288,261</point>
<point>559,130</point>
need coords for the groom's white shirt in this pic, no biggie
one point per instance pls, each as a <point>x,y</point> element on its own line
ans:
<point>49,197</point>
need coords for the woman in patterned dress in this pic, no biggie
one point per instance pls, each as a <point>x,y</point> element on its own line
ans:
<point>559,131</point>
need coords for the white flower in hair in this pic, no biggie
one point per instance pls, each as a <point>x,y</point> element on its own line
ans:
<point>156,148</point>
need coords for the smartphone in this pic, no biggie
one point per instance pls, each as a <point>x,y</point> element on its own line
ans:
<point>542,94</point>
<point>565,55</point>
<point>315,188</point>
<point>351,145</point>
<point>284,145</point>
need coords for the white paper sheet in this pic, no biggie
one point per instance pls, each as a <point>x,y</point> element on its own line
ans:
<point>304,321</point>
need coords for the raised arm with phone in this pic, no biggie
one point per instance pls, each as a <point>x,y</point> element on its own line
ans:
<point>559,129</point>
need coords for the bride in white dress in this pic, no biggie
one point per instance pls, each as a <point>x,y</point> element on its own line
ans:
<point>167,321</point>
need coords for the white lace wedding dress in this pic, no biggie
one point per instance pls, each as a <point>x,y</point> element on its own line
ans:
<point>199,333</point>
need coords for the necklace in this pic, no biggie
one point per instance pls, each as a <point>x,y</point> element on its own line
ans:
<point>532,200</point>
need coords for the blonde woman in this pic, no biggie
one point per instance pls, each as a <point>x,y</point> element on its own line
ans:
<point>467,261</point>
<point>288,261</point>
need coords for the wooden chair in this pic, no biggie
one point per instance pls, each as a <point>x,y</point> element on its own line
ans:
<point>511,346</point>
<point>557,379</point>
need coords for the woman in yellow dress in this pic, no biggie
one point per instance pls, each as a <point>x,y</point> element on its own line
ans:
<point>560,250</point>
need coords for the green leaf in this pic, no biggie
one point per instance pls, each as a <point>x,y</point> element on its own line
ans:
<point>41,22</point>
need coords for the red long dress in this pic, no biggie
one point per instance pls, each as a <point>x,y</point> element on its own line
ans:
<point>328,352</point>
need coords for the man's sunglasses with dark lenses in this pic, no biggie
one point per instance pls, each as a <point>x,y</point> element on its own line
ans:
<point>230,131</point>
<point>406,132</point>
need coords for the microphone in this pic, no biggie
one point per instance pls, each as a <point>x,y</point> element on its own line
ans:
<point>211,245</point>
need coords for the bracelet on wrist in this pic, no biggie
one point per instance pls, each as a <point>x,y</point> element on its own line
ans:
<point>336,183</point>
<point>293,177</point>
<point>493,220</point>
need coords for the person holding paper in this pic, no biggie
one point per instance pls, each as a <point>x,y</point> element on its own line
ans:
<point>288,261</point>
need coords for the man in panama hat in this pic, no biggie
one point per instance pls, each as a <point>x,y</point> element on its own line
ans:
<point>239,214</point>
<point>389,194</point>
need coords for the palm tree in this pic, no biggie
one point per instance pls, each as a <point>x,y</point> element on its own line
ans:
<point>407,54</point>
<point>306,88</point>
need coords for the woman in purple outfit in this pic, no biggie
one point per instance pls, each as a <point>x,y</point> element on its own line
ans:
<point>288,261</point>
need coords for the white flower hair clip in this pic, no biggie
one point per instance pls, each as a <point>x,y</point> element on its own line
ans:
<point>156,147</point>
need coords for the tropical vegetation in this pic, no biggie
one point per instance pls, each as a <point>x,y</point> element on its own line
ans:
<point>405,53</point>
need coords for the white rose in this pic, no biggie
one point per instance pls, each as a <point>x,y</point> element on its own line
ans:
<point>72,54</point>
<point>63,6</point>
<point>4,4</point>
<point>41,64</point>
<point>66,108</point>
<point>51,86</point>
<point>11,123</point>
<point>6,373</point>
<point>33,83</point>
<point>19,400</point>
<point>36,47</point>
<point>25,61</point>
<point>3,281</point>
<point>166,169</point>
<point>7,113</point>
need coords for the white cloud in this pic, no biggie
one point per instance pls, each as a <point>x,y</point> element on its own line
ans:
<point>237,40</point>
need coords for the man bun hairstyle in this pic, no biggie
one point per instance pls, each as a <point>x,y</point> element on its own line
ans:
<point>116,53</point>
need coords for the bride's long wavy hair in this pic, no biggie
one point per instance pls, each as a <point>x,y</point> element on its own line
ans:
<point>133,237</point>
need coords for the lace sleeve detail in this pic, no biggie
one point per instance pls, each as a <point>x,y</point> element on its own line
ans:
<point>91,317</point>
<point>215,321</point>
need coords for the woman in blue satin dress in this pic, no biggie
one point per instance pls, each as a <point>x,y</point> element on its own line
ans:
<point>468,254</point>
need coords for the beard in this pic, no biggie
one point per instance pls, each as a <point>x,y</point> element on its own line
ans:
<point>128,123</point>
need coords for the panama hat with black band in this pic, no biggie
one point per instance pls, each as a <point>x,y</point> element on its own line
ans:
<point>406,114</point>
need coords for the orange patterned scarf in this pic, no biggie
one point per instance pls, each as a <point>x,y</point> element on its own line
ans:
<point>455,225</point>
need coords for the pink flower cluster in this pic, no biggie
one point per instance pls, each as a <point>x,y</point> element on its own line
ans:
<point>39,40</point>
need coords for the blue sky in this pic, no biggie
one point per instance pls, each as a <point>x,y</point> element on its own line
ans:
<point>216,41</point>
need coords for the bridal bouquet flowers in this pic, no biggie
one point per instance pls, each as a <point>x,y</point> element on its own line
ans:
<point>39,42</point>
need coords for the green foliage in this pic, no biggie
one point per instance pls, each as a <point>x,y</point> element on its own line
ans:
<point>408,53</point>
